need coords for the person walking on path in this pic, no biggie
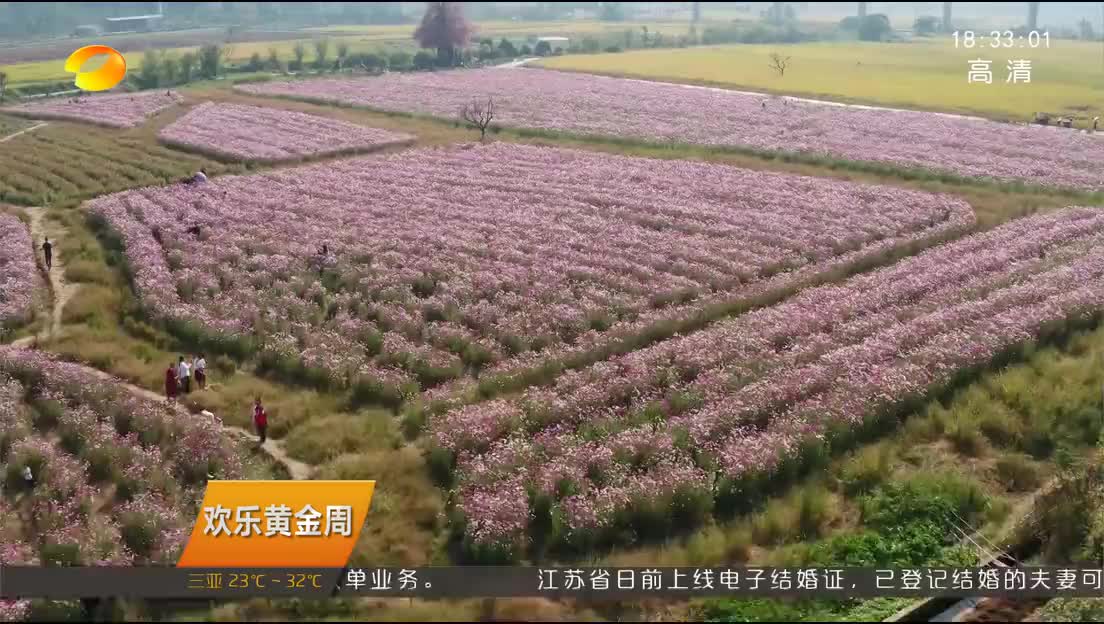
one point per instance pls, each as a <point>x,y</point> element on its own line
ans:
<point>184,372</point>
<point>260,420</point>
<point>48,254</point>
<point>200,372</point>
<point>170,383</point>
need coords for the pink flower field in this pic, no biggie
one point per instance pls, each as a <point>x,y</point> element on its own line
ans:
<point>117,479</point>
<point>545,252</point>
<point>587,104</point>
<point>18,273</point>
<point>267,134</point>
<point>695,419</point>
<point>118,110</point>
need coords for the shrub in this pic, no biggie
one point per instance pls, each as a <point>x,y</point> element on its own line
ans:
<point>60,555</point>
<point>874,27</point>
<point>506,48</point>
<point>424,60</point>
<point>46,413</point>
<point>613,49</point>
<point>866,469</point>
<point>543,48</point>
<point>87,271</point>
<point>224,365</point>
<point>210,61</point>
<point>1000,426</point>
<point>1018,473</point>
<point>400,60</point>
<point>139,533</point>
<point>1039,442</point>
<point>799,516</point>
<point>966,439</point>
<point>930,497</point>
<point>101,465</point>
<point>374,62</point>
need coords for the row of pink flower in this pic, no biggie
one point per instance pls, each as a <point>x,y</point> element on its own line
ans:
<point>18,272</point>
<point>190,448</point>
<point>14,550</point>
<point>749,391</point>
<point>67,509</point>
<point>589,104</point>
<point>121,110</point>
<point>270,134</point>
<point>542,244</point>
<point>60,509</point>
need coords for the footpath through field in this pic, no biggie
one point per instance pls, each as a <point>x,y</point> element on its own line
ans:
<point>61,291</point>
<point>23,131</point>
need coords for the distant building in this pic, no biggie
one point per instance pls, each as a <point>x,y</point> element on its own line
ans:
<point>132,23</point>
<point>555,42</point>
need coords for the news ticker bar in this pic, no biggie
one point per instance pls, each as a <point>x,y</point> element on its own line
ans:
<point>562,582</point>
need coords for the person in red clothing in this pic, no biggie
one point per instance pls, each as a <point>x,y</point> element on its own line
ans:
<point>260,419</point>
<point>170,383</point>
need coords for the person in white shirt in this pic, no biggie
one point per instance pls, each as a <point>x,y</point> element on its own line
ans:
<point>184,372</point>
<point>200,372</point>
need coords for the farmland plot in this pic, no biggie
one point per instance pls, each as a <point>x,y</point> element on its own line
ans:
<point>653,440</point>
<point>115,479</point>
<point>125,110</point>
<point>545,252</point>
<point>598,105</point>
<point>18,273</point>
<point>254,133</point>
<point>63,162</point>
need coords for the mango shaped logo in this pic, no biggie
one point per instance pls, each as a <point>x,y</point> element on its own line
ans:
<point>107,76</point>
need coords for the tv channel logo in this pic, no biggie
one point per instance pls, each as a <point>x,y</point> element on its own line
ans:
<point>106,77</point>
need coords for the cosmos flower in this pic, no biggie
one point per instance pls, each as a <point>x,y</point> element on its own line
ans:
<point>18,273</point>
<point>547,253</point>
<point>119,110</point>
<point>598,105</point>
<point>743,394</point>
<point>270,134</point>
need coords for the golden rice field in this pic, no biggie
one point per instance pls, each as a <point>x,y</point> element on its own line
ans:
<point>1067,78</point>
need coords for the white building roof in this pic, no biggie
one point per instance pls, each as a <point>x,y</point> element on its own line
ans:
<point>132,17</point>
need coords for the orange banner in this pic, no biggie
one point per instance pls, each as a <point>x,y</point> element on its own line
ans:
<point>278,524</point>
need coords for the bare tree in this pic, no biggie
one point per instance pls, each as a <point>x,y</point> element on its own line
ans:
<point>779,63</point>
<point>479,114</point>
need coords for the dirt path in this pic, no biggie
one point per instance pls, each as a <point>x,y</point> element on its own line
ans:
<point>517,63</point>
<point>62,291</point>
<point>23,131</point>
<point>298,470</point>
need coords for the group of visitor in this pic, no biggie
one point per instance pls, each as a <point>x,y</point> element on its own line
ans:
<point>179,376</point>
